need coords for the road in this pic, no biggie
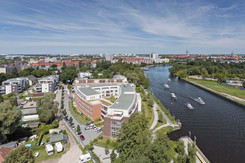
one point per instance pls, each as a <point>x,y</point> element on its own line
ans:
<point>88,134</point>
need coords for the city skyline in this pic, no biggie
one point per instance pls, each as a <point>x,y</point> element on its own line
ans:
<point>82,27</point>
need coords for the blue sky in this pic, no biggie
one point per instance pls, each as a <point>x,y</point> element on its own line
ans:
<point>122,26</point>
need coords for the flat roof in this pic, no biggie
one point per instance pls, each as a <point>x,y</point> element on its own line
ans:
<point>88,91</point>
<point>125,100</point>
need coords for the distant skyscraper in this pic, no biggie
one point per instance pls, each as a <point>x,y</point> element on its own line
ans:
<point>154,56</point>
<point>187,53</point>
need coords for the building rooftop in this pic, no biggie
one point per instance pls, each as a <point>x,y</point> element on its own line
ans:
<point>29,111</point>
<point>88,91</point>
<point>126,98</point>
<point>58,137</point>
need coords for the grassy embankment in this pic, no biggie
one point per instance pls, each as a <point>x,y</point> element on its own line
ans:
<point>80,117</point>
<point>166,111</point>
<point>221,88</point>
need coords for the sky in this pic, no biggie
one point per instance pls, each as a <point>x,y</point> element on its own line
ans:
<point>122,26</point>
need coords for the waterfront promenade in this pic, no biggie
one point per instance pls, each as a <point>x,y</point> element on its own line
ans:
<point>200,157</point>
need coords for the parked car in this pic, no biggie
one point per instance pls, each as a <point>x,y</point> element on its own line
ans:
<point>87,123</point>
<point>82,137</point>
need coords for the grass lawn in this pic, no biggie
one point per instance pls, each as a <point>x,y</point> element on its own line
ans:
<point>148,112</point>
<point>221,88</point>
<point>165,130</point>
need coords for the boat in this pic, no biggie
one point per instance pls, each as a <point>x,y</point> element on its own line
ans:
<point>189,106</point>
<point>199,100</point>
<point>166,85</point>
<point>173,96</point>
<point>169,79</point>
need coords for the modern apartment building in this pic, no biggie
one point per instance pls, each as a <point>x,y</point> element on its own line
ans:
<point>92,100</point>
<point>16,85</point>
<point>47,84</point>
<point>115,80</point>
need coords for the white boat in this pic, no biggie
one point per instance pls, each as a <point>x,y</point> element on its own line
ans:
<point>199,100</point>
<point>173,96</point>
<point>166,85</point>
<point>169,79</point>
<point>189,106</point>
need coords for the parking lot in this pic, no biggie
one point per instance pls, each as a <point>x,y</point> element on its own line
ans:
<point>90,134</point>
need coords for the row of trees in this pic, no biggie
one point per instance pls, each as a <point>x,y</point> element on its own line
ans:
<point>212,69</point>
<point>135,145</point>
<point>133,72</point>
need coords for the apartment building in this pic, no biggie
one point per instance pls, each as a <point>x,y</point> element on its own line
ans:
<point>16,85</point>
<point>92,100</point>
<point>47,84</point>
<point>115,80</point>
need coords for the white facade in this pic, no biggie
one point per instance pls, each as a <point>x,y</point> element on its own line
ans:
<point>45,87</point>
<point>165,60</point>
<point>84,74</point>
<point>108,57</point>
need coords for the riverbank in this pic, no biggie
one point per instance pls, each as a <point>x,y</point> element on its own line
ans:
<point>230,93</point>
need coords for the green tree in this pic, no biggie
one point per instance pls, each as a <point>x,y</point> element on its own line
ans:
<point>160,117</point>
<point>70,120</point>
<point>13,101</point>
<point>9,118</point>
<point>243,84</point>
<point>78,129</point>
<point>191,158</point>
<point>21,154</point>
<point>133,138</point>
<point>64,113</point>
<point>14,73</point>
<point>113,156</point>
<point>150,102</point>
<point>47,108</point>
<point>55,124</point>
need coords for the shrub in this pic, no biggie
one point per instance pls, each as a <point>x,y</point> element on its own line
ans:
<point>100,137</point>
<point>108,141</point>
<point>64,132</point>
<point>55,124</point>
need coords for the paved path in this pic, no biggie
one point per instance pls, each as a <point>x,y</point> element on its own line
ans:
<point>200,157</point>
<point>155,120</point>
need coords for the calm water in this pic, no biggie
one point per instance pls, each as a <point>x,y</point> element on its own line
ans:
<point>219,125</point>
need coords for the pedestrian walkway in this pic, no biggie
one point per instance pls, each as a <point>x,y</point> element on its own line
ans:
<point>200,157</point>
<point>155,119</point>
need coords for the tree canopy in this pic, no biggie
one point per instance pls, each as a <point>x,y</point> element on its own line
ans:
<point>208,68</point>
<point>68,74</point>
<point>9,118</point>
<point>47,108</point>
<point>21,154</point>
<point>134,143</point>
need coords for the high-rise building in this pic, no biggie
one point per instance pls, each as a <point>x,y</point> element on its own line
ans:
<point>187,53</point>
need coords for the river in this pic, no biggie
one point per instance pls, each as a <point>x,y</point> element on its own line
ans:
<point>219,125</point>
